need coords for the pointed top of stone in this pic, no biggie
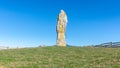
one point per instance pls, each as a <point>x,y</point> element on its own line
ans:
<point>62,11</point>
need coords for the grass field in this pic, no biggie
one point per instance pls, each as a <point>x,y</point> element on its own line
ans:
<point>60,57</point>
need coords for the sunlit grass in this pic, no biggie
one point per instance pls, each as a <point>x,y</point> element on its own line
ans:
<point>60,57</point>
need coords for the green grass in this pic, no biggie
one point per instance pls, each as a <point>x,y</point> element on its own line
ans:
<point>60,57</point>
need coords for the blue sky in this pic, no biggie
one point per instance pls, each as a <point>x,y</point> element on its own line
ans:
<point>29,23</point>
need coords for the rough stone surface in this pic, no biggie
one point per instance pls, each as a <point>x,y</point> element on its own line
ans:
<point>61,28</point>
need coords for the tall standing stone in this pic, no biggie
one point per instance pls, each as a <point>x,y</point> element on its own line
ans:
<point>61,28</point>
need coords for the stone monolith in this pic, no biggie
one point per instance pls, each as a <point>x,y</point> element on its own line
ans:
<point>61,28</point>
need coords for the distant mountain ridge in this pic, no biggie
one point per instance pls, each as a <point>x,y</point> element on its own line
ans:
<point>109,44</point>
<point>3,47</point>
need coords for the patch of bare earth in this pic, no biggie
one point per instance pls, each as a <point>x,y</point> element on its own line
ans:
<point>2,67</point>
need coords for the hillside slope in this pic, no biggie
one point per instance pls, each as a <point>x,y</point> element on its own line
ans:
<point>60,57</point>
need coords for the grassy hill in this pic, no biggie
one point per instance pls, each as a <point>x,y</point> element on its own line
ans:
<point>60,57</point>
